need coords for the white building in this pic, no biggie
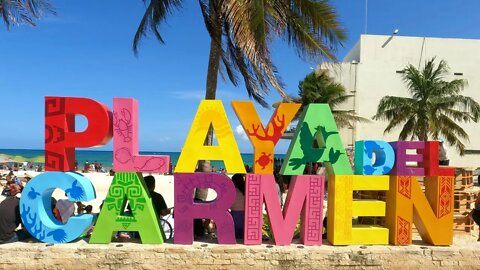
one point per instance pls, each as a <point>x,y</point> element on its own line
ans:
<point>372,70</point>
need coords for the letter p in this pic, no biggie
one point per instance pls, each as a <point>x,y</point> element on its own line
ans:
<point>60,136</point>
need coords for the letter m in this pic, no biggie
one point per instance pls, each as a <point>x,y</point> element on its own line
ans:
<point>304,200</point>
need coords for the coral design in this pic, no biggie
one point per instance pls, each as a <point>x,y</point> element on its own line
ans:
<point>278,125</point>
<point>30,223</point>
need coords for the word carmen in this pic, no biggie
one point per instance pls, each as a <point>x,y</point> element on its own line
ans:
<point>379,166</point>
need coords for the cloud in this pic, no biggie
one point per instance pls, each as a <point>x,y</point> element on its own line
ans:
<point>188,94</point>
<point>164,139</point>
<point>241,133</point>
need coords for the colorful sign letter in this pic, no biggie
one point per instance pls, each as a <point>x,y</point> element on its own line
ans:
<point>433,215</point>
<point>36,206</point>
<point>127,187</point>
<point>430,161</point>
<point>210,112</point>
<point>264,140</point>
<point>125,141</point>
<point>341,210</point>
<point>60,136</point>
<point>364,154</point>
<point>317,124</point>
<point>305,193</point>
<point>402,157</point>
<point>186,210</point>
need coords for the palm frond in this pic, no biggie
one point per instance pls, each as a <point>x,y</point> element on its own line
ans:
<point>435,109</point>
<point>16,12</point>
<point>156,12</point>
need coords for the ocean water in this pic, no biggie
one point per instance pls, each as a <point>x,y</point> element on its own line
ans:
<point>106,157</point>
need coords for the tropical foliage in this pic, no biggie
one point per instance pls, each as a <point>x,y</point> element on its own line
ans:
<point>435,108</point>
<point>242,30</point>
<point>17,12</point>
<point>320,88</point>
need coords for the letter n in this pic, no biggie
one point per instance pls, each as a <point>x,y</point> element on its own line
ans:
<point>432,212</point>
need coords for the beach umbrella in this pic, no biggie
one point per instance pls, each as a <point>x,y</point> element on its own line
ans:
<point>5,159</point>
<point>18,159</point>
<point>37,159</point>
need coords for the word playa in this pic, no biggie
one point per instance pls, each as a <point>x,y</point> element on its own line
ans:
<point>379,166</point>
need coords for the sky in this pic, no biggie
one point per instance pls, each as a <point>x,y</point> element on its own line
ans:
<point>86,51</point>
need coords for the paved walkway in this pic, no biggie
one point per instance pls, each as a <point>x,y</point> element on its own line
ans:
<point>463,253</point>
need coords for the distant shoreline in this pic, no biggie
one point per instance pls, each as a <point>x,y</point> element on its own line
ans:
<point>105,157</point>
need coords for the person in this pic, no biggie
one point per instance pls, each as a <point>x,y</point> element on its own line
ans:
<point>157,199</point>
<point>86,167</point>
<point>442,155</point>
<point>475,213</point>
<point>322,171</point>
<point>280,192</point>
<point>88,209</point>
<point>10,216</point>
<point>66,209</point>
<point>96,166</point>
<point>238,208</point>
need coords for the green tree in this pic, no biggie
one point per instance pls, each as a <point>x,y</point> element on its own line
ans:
<point>242,30</point>
<point>320,88</point>
<point>16,12</point>
<point>434,109</point>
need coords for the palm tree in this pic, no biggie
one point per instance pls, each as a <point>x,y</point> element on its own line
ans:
<point>320,88</point>
<point>16,12</point>
<point>434,109</point>
<point>242,30</point>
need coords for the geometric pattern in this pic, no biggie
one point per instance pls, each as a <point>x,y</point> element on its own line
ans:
<point>405,186</point>
<point>445,196</point>
<point>315,203</point>
<point>403,231</point>
<point>255,209</point>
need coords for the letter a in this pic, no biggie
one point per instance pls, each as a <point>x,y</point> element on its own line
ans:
<point>127,186</point>
<point>317,124</point>
<point>210,112</point>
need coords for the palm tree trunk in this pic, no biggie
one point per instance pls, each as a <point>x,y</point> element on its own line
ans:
<point>212,75</point>
<point>213,61</point>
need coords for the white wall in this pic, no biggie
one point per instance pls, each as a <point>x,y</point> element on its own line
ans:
<point>379,59</point>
